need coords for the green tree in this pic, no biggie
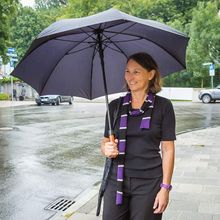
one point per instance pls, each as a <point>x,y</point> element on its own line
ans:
<point>8,10</point>
<point>204,42</point>
<point>47,4</point>
<point>26,26</point>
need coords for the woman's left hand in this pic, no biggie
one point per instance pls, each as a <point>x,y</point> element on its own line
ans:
<point>161,201</point>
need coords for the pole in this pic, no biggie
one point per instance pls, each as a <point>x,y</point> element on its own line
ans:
<point>12,88</point>
<point>212,82</point>
<point>101,54</point>
<point>12,85</point>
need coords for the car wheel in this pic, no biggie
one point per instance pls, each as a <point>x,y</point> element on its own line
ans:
<point>58,101</point>
<point>39,104</point>
<point>206,98</point>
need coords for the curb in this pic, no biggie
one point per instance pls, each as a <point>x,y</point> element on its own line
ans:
<point>81,202</point>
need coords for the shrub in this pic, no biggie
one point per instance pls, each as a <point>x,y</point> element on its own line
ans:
<point>4,96</point>
<point>6,80</point>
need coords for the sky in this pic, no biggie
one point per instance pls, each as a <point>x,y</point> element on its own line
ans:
<point>27,2</point>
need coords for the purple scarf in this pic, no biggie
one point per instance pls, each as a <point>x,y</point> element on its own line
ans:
<point>145,124</point>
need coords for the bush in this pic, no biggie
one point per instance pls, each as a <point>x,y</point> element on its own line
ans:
<point>4,96</point>
<point>6,80</point>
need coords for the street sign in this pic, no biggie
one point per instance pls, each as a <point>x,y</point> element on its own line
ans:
<point>14,59</point>
<point>11,50</point>
<point>11,54</point>
<point>212,70</point>
<point>207,64</point>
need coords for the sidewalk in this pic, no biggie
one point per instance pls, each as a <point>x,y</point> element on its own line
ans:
<point>196,182</point>
<point>15,103</point>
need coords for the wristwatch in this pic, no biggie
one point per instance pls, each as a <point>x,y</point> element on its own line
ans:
<point>166,186</point>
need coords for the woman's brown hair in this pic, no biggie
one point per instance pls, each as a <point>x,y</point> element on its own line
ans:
<point>147,62</point>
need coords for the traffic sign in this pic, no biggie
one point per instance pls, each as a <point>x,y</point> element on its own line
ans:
<point>14,59</point>
<point>11,54</point>
<point>212,70</point>
<point>11,50</point>
<point>207,64</point>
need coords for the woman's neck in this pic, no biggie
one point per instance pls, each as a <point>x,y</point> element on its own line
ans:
<point>138,98</point>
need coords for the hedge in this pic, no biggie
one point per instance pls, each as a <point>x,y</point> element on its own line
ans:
<point>4,96</point>
<point>8,80</point>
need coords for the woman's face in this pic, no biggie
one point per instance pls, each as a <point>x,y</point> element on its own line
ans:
<point>137,77</point>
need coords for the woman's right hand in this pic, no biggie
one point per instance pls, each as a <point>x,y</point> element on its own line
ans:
<point>109,149</point>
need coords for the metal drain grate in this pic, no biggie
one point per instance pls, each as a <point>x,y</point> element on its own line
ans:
<point>60,205</point>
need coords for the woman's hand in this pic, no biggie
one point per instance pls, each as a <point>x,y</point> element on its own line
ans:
<point>109,149</point>
<point>161,201</point>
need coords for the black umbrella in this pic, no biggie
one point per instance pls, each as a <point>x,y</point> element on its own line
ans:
<point>65,58</point>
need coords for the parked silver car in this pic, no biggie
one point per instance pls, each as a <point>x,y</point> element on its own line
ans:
<point>210,95</point>
<point>53,99</point>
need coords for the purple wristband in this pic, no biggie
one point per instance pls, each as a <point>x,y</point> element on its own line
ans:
<point>166,186</point>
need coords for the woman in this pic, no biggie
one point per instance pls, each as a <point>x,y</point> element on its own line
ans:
<point>139,180</point>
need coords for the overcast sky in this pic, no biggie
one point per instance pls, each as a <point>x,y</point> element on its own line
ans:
<point>27,2</point>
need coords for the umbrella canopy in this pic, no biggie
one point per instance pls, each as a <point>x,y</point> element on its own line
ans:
<point>65,57</point>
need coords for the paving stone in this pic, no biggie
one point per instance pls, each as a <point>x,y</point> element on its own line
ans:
<point>217,198</point>
<point>81,216</point>
<point>195,197</point>
<point>212,190</point>
<point>171,215</point>
<point>209,208</point>
<point>186,215</point>
<point>216,217</point>
<point>190,188</point>
<point>184,206</point>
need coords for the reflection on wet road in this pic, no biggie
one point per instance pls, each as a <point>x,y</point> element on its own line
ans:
<point>53,151</point>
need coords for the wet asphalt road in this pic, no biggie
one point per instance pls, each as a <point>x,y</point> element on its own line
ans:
<point>53,151</point>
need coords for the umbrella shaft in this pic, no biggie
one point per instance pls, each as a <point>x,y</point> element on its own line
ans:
<point>101,54</point>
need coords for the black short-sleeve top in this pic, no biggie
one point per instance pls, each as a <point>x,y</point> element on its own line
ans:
<point>142,158</point>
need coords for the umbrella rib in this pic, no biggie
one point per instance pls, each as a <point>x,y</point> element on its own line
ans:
<point>124,41</point>
<point>88,34</point>
<point>133,35</point>
<point>106,46</point>
<point>79,50</point>
<point>93,55</point>
<point>120,50</point>
<point>57,64</point>
<point>72,41</point>
<point>117,33</point>
<point>117,50</point>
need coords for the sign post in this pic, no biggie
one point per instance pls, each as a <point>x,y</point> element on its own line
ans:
<point>13,58</point>
<point>212,72</point>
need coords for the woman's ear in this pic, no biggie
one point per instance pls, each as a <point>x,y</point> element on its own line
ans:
<point>152,74</point>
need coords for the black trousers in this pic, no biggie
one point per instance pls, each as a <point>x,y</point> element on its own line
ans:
<point>138,199</point>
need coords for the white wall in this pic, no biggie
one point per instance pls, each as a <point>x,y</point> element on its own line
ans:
<point>177,93</point>
<point>190,94</point>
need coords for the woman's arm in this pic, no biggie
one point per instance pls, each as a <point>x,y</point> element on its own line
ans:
<point>162,197</point>
<point>168,153</point>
